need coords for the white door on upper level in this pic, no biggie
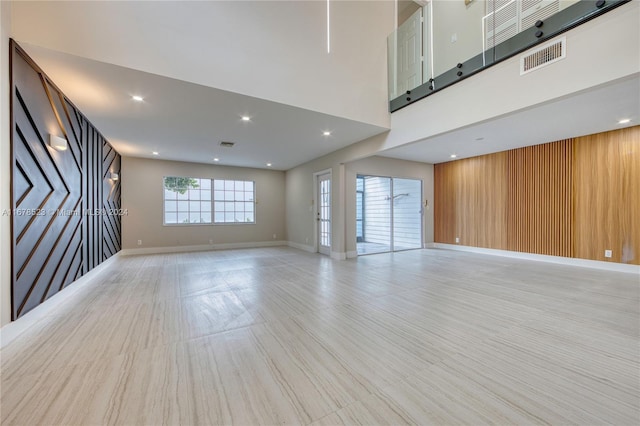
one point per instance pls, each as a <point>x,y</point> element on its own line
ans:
<point>410,53</point>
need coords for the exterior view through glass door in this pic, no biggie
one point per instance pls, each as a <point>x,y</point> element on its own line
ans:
<point>323,206</point>
<point>388,214</point>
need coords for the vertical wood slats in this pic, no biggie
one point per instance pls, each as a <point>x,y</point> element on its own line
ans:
<point>539,200</point>
<point>470,201</point>
<point>52,249</point>
<point>607,186</point>
<point>572,198</point>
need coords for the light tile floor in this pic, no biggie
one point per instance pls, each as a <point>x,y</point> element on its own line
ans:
<point>274,336</point>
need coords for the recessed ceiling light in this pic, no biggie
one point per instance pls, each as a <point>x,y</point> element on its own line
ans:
<point>326,133</point>
<point>216,159</point>
<point>453,156</point>
<point>155,153</point>
<point>624,121</point>
<point>137,98</point>
<point>268,164</point>
<point>246,118</point>
<point>480,139</point>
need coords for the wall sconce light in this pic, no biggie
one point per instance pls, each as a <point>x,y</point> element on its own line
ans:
<point>114,176</point>
<point>57,143</point>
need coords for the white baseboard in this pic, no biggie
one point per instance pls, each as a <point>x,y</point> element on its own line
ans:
<point>352,254</point>
<point>595,264</point>
<point>202,247</point>
<point>429,245</point>
<point>335,255</point>
<point>302,247</point>
<point>338,255</point>
<point>14,329</point>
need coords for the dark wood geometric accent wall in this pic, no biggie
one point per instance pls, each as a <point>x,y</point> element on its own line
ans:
<point>66,205</point>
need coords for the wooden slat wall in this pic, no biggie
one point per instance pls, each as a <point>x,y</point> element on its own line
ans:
<point>607,186</point>
<point>470,201</point>
<point>572,198</point>
<point>539,201</point>
<point>51,245</point>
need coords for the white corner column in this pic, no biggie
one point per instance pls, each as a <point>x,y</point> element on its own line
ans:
<point>5,165</point>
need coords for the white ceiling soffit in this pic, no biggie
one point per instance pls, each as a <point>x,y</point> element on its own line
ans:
<point>186,122</point>
<point>273,50</point>
<point>593,111</point>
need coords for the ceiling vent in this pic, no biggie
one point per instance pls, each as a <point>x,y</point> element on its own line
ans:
<point>543,56</point>
<point>227,144</point>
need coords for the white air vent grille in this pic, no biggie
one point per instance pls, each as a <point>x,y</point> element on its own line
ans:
<point>227,144</point>
<point>543,56</point>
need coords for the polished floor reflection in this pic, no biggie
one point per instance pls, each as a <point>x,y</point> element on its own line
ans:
<point>274,336</point>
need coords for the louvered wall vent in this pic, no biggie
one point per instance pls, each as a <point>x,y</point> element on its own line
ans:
<point>543,56</point>
<point>227,144</point>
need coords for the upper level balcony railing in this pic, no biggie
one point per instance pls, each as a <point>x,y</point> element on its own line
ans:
<point>440,42</point>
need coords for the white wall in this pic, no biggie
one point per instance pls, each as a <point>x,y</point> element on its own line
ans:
<point>5,165</point>
<point>142,197</point>
<point>274,50</point>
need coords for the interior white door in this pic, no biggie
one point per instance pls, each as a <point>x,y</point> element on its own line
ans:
<point>409,41</point>
<point>324,213</point>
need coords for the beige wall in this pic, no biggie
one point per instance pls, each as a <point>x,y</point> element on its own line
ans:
<point>300,211</point>
<point>142,196</point>
<point>465,21</point>
<point>5,166</point>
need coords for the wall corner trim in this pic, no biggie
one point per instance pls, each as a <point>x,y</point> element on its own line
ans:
<point>338,255</point>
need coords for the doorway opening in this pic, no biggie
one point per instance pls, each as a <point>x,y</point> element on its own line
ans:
<point>323,212</point>
<point>388,214</point>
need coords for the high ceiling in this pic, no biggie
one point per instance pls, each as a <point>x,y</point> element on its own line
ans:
<point>186,121</point>
<point>201,66</point>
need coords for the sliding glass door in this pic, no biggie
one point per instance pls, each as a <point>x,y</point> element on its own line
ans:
<point>407,214</point>
<point>388,214</point>
<point>376,215</point>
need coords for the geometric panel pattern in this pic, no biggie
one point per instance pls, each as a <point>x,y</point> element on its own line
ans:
<point>65,218</point>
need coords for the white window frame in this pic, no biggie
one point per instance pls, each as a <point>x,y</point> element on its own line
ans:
<point>215,201</point>
<point>212,202</point>
<point>189,201</point>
